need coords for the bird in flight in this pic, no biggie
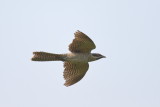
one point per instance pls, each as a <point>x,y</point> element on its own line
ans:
<point>75,62</point>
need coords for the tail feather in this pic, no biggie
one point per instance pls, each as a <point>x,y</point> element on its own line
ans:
<point>44,56</point>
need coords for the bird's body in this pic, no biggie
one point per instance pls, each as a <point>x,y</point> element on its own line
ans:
<point>75,62</point>
<point>78,57</point>
<point>71,57</point>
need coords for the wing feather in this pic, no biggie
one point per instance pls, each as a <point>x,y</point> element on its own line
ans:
<point>82,43</point>
<point>74,72</point>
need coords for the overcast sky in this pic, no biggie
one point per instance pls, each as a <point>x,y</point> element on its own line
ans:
<point>127,32</point>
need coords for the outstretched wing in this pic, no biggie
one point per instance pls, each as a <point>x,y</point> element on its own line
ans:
<point>74,72</point>
<point>82,43</point>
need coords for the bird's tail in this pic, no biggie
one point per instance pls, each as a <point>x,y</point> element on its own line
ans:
<point>44,56</point>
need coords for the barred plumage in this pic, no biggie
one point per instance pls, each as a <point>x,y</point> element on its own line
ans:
<point>82,43</point>
<point>76,62</point>
<point>74,72</point>
<point>44,56</point>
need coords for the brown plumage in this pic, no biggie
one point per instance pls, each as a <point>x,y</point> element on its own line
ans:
<point>45,56</point>
<point>74,72</point>
<point>76,62</point>
<point>82,43</point>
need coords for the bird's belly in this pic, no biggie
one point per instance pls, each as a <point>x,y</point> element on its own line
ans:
<point>74,57</point>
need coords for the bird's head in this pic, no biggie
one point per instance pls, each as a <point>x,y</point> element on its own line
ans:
<point>97,56</point>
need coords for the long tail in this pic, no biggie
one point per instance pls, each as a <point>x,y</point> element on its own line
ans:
<point>44,56</point>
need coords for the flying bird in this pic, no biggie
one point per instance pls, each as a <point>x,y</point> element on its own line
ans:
<point>75,62</point>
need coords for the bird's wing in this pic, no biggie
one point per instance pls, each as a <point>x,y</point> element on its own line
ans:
<point>74,72</point>
<point>82,43</point>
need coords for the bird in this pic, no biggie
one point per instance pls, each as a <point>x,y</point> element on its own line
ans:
<point>76,62</point>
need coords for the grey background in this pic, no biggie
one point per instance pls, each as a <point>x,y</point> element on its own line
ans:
<point>127,32</point>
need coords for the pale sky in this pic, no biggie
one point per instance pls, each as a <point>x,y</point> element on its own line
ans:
<point>127,32</point>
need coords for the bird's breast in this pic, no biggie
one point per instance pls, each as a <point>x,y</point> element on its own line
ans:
<point>78,57</point>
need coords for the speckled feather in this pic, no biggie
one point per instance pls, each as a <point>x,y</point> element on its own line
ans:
<point>76,62</point>
<point>82,43</point>
<point>74,72</point>
<point>44,56</point>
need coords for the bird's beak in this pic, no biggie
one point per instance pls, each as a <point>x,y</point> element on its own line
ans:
<point>103,56</point>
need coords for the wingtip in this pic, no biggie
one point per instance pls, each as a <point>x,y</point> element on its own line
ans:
<point>67,85</point>
<point>78,31</point>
